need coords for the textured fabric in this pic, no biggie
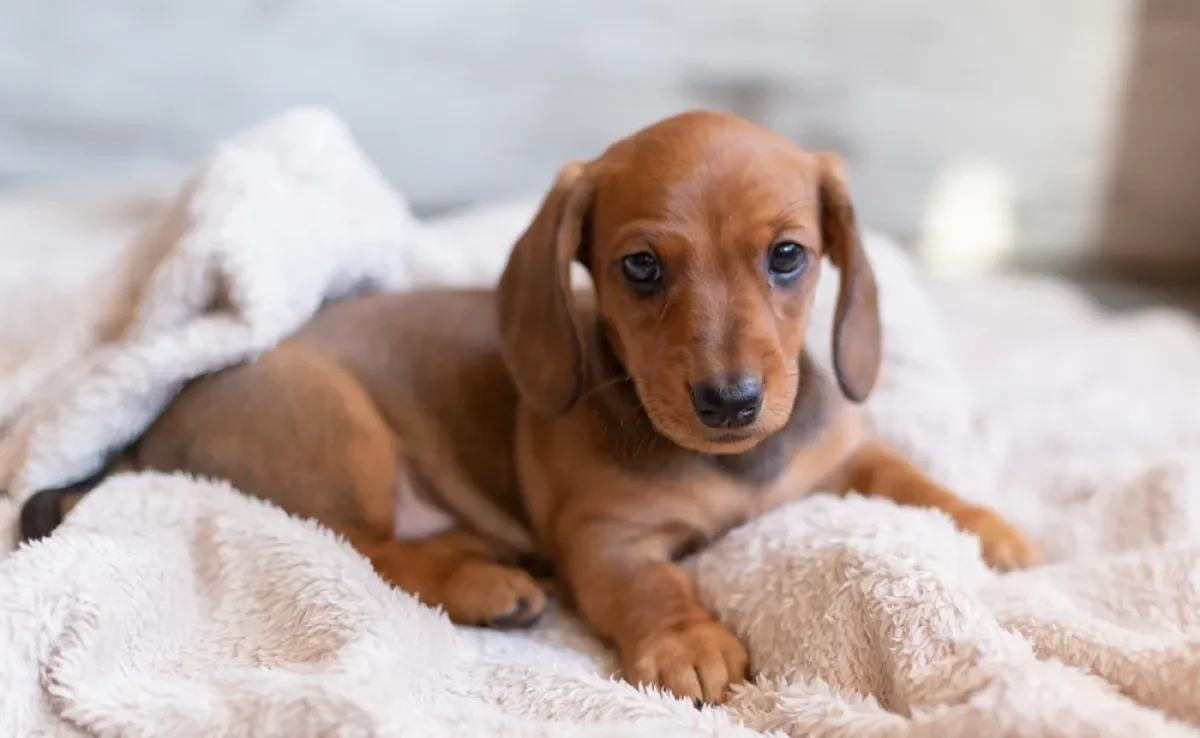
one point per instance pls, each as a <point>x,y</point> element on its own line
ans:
<point>169,606</point>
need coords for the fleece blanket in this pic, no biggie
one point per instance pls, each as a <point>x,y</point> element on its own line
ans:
<point>173,606</point>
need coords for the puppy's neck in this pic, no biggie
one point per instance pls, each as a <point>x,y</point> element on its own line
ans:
<point>630,439</point>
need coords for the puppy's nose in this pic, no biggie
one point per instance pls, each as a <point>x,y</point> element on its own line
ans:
<point>729,404</point>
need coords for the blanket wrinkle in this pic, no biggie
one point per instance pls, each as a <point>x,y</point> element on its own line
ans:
<point>170,605</point>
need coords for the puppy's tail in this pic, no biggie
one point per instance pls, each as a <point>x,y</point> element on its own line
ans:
<point>45,509</point>
<point>42,512</point>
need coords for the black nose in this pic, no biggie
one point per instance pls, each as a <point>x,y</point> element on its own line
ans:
<point>731,404</point>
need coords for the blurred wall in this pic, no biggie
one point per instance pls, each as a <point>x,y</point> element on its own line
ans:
<point>952,113</point>
<point>1151,227</point>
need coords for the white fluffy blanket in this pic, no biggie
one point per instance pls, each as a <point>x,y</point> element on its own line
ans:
<point>170,606</point>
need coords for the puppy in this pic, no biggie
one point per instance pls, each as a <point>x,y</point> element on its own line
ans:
<point>612,430</point>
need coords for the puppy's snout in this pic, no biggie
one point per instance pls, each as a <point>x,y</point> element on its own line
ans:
<point>729,404</point>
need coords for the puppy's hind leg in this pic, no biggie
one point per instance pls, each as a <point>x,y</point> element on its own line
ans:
<point>456,571</point>
<point>296,429</point>
<point>421,549</point>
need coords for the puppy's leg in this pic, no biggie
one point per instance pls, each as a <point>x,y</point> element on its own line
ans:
<point>625,584</point>
<point>876,470</point>
<point>456,571</point>
<point>296,429</point>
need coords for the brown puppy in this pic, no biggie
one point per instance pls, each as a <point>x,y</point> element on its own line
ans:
<point>610,430</point>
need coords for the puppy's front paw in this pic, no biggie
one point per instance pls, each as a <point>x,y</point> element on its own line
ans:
<point>1004,548</point>
<point>697,661</point>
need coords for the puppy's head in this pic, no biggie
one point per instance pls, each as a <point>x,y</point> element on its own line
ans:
<point>703,235</point>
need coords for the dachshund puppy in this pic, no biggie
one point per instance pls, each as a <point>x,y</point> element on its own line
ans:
<point>611,430</point>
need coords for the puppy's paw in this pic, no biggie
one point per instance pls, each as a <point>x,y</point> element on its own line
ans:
<point>697,661</point>
<point>492,595</point>
<point>1004,547</point>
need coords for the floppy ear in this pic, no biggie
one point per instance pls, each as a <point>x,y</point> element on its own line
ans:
<point>856,332</point>
<point>539,337</point>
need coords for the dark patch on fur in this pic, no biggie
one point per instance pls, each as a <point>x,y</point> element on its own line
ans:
<point>691,546</point>
<point>535,565</point>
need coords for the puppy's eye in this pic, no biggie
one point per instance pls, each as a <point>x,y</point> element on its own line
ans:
<point>642,271</point>
<point>787,259</point>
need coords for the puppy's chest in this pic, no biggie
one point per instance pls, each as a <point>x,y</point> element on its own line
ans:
<point>712,495</point>
<point>709,499</point>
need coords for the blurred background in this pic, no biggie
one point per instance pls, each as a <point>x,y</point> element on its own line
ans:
<point>1055,135</point>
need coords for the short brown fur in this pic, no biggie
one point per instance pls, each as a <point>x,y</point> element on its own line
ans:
<point>559,422</point>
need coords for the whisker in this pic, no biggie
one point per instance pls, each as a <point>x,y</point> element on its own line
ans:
<point>605,385</point>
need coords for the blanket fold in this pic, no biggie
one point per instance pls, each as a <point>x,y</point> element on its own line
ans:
<point>172,606</point>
